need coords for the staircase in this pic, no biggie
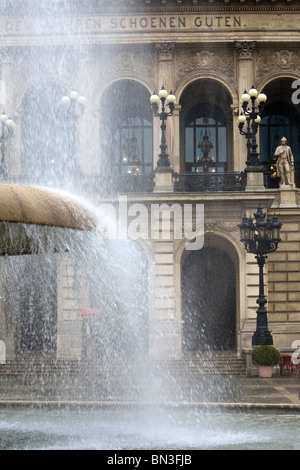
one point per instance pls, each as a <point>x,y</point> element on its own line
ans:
<point>192,378</point>
<point>215,363</point>
<point>39,367</point>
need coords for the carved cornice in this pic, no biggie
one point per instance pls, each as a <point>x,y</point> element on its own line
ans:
<point>190,6</point>
<point>209,6</point>
<point>79,7</point>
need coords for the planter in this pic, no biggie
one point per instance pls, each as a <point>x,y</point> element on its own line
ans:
<point>265,357</point>
<point>265,372</point>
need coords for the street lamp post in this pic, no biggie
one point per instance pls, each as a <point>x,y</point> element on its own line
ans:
<point>250,117</point>
<point>166,100</point>
<point>260,238</point>
<point>73,106</point>
<point>6,132</point>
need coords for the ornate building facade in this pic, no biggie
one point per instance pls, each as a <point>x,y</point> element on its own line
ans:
<point>116,54</point>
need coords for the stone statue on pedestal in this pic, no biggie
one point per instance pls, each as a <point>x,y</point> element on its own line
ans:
<point>285,163</point>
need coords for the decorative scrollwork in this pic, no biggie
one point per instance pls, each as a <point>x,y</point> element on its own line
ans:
<point>261,247</point>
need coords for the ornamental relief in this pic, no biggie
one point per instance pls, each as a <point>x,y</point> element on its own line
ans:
<point>130,63</point>
<point>220,61</point>
<point>270,61</point>
<point>212,225</point>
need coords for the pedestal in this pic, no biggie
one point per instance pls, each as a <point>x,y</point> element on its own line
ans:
<point>255,179</point>
<point>163,180</point>
<point>287,196</point>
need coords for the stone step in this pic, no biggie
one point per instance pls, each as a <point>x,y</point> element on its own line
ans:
<point>191,365</point>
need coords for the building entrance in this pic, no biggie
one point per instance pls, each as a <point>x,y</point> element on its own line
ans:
<point>208,301</point>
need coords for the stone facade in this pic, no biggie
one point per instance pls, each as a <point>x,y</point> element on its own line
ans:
<point>183,46</point>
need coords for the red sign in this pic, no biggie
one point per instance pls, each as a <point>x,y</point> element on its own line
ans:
<point>88,311</point>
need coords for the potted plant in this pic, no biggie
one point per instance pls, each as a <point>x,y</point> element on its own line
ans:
<point>266,357</point>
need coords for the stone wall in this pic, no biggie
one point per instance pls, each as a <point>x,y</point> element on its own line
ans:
<point>284,283</point>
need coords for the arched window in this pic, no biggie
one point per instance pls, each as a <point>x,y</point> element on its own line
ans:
<point>45,136</point>
<point>133,146</point>
<point>126,129</point>
<point>205,139</point>
<point>206,127</point>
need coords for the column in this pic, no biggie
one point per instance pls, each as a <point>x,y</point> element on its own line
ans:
<point>163,175</point>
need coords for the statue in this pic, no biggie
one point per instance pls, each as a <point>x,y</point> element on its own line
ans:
<point>285,163</point>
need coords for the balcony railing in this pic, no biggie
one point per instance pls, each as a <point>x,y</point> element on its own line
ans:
<point>144,183</point>
<point>209,182</point>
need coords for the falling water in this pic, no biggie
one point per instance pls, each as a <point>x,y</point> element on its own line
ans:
<point>103,324</point>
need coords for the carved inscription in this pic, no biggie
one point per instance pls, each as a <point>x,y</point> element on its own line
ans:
<point>106,24</point>
<point>140,23</point>
<point>175,22</point>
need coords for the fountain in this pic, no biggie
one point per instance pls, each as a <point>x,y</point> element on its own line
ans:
<point>97,388</point>
<point>27,212</point>
<point>113,401</point>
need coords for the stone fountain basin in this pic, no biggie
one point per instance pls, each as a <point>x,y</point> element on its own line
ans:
<point>34,219</point>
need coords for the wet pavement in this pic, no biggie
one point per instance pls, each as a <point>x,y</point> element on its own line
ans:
<point>281,392</point>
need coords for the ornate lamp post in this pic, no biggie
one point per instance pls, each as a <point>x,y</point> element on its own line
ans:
<point>131,148</point>
<point>166,100</point>
<point>7,131</point>
<point>73,106</point>
<point>252,104</point>
<point>260,238</point>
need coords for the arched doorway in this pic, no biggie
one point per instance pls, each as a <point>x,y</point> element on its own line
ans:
<point>208,301</point>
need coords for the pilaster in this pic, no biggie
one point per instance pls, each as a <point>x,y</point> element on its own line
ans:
<point>165,64</point>
<point>245,79</point>
<point>72,296</point>
<point>164,329</point>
